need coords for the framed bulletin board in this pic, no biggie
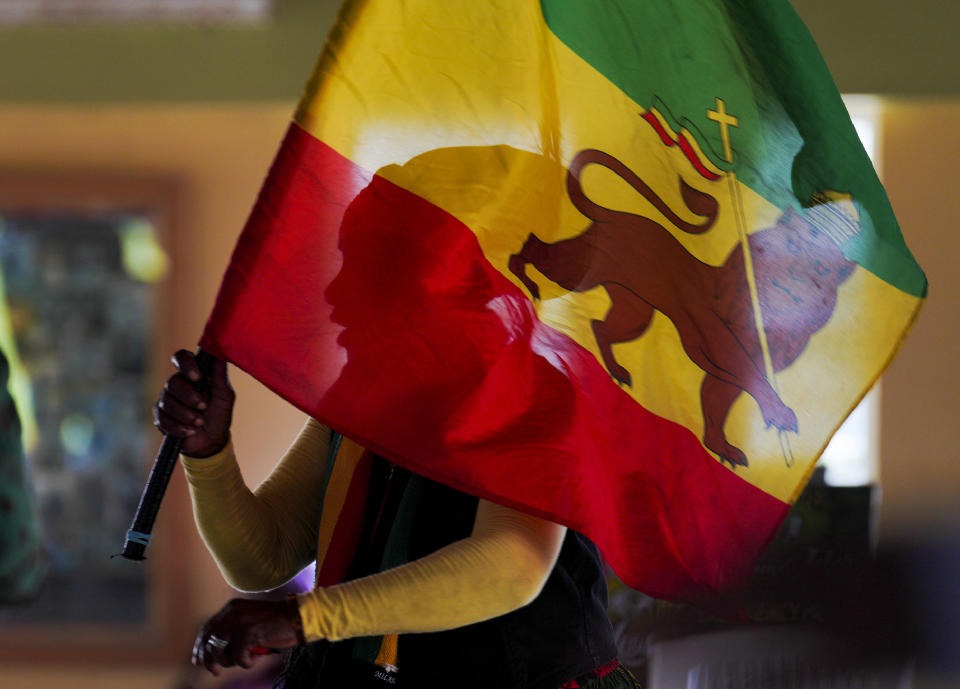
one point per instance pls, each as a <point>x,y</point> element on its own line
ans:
<point>85,302</point>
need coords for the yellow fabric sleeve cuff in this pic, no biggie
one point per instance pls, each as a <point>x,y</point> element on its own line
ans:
<point>199,469</point>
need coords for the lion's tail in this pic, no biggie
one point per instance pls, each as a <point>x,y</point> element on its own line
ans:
<point>698,202</point>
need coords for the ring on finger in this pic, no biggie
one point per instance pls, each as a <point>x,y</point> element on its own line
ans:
<point>217,642</point>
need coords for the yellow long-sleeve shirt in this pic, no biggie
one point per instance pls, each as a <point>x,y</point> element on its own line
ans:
<point>262,538</point>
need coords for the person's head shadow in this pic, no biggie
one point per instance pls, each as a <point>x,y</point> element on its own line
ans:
<point>443,352</point>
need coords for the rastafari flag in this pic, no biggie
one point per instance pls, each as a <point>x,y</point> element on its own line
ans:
<point>621,264</point>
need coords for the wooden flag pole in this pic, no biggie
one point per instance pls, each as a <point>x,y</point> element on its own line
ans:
<point>725,120</point>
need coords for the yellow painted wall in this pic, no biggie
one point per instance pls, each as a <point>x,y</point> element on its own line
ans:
<point>920,460</point>
<point>219,156</point>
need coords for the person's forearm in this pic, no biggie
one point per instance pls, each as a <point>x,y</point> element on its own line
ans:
<point>502,566</point>
<point>238,532</point>
<point>260,539</point>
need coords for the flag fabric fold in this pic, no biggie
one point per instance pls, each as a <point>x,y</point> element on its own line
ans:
<point>622,265</point>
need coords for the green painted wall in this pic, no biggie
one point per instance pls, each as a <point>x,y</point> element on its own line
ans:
<point>872,46</point>
<point>166,63</point>
<point>891,47</point>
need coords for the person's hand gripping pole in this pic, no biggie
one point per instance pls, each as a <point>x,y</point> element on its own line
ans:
<point>194,412</point>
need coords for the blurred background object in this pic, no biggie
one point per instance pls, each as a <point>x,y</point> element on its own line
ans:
<point>22,560</point>
<point>826,607</point>
<point>80,303</point>
<point>123,11</point>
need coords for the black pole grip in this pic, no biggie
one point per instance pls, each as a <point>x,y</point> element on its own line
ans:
<point>138,536</point>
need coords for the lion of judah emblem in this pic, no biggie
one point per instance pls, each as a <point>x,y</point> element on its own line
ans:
<point>798,269</point>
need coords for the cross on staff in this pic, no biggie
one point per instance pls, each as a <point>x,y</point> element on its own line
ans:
<point>726,120</point>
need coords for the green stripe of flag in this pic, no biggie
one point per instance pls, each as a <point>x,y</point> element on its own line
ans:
<point>794,135</point>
